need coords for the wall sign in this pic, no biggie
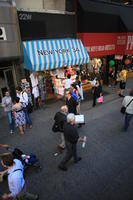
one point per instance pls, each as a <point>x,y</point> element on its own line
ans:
<point>101,44</point>
<point>3,34</point>
<point>25,16</point>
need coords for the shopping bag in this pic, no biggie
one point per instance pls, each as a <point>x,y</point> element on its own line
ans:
<point>100,99</point>
<point>79,119</point>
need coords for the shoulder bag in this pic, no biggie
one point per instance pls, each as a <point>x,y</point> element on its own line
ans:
<point>123,108</point>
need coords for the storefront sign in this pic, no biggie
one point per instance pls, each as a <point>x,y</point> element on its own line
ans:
<point>101,44</point>
<point>57,51</point>
<point>130,42</point>
<point>2,34</point>
<point>118,57</point>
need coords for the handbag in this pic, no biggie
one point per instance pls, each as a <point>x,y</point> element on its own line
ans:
<point>27,108</point>
<point>123,108</point>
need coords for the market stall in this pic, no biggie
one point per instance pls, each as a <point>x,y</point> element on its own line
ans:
<point>55,58</point>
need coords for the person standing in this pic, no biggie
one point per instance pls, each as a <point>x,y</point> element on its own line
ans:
<point>16,182</point>
<point>122,78</point>
<point>7,104</point>
<point>24,100</point>
<point>71,139</point>
<point>128,103</point>
<point>67,82</point>
<point>35,89</point>
<point>20,119</point>
<point>78,97</point>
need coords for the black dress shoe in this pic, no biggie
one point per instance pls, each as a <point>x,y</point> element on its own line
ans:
<point>63,168</point>
<point>37,197</point>
<point>121,95</point>
<point>78,159</point>
<point>79,125</point>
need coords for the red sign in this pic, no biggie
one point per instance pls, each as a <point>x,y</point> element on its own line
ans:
<point>101,44</point>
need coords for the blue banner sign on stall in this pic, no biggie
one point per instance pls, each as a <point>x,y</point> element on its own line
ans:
<point>43,55</point>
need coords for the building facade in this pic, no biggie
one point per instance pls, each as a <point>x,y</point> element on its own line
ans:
<point>10,50</point>
<point>48,27</point>
<point>106,31</point>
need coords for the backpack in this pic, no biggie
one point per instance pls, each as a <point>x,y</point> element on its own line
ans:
<point>60,119</point>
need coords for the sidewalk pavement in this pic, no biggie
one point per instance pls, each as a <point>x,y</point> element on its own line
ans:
<point>106,158</point>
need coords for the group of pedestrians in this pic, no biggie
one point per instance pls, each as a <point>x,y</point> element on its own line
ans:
<point>65,124</point>
<point>19,111</point>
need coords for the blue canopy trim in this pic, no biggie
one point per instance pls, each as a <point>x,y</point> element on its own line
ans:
<point>43,55</point>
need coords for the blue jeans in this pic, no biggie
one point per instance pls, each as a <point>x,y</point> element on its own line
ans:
<point>10,120</point>
<point>128,118</point>
<point>28,117</point>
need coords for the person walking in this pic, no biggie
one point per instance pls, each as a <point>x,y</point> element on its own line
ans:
<point>128,103</point>
<point>16,182</point>
<point>71,102</point>
<point>60,120</point>
<point>24,100</point>
<point>19,115</point>
<point>79,88</point>
<point>71,138</point>
<point>96,91</point>
<point>122,78</point>
<point>7,104</point>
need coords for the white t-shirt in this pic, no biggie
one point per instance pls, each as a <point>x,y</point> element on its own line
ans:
<point>125,102</point>
<point>23,97</point>
<point>15,178</point>
<point>67,83</point>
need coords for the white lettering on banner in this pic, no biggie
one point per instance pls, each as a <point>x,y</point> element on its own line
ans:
<point>44,52</point>
<point>121,40</point>
<point>61,51</point>
<point>130,42</point>
<point>58,51</point>
<point>109,47</point>
<point>3,34</point>
<point>118,57</point>
<point>100,48</point>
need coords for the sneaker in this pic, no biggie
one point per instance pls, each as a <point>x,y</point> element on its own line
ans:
<point>36,197</point>
<point>63,168</point>
<point>78,159</point>
<point>11,132</point>
<point>79,125</point>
